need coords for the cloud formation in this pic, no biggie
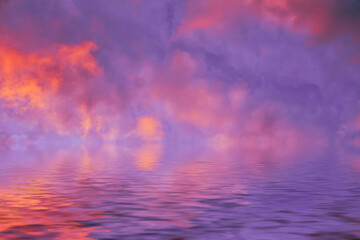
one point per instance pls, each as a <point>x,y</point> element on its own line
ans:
<point>235,76</point>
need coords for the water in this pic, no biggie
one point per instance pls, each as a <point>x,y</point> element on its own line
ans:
<point>113,194</point>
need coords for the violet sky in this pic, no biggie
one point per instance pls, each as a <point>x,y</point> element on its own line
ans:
<point>278,77</point>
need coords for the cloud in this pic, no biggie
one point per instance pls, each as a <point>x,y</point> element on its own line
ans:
<point>34,86</point>
<point>237,76</point>
<point>323,20</point>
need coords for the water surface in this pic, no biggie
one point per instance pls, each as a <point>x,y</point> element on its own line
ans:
<point>112,194</point>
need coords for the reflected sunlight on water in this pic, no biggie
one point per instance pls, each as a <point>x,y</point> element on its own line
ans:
<point>97,194</point>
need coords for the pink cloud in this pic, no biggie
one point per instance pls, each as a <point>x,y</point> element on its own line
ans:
<point>38,84</point>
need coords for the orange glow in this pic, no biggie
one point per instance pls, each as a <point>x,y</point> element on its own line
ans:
<point>33,213</point>
<point>148,156</point>
<point>26,80</point>
<point>90,120</point>
<point>149,128</point>
<point>86,123</point>
<point>33,82</point>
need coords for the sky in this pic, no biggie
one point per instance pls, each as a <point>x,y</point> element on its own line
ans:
<point>248,77</point>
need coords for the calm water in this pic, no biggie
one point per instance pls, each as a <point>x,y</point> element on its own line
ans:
<point>109,193</point>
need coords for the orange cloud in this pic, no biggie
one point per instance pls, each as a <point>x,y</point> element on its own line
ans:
<point>26,80</point>
<point>32,83</point>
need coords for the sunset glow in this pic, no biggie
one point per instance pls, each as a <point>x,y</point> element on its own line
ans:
<point>190,119</point>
